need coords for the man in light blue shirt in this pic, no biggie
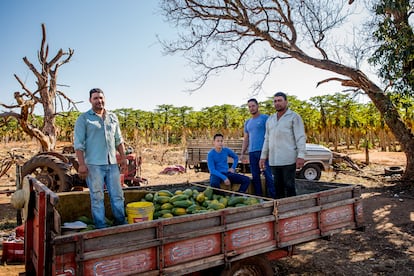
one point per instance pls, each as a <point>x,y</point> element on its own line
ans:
<point>253,138</point>
<point>284,146</point>
<point>97,138</point>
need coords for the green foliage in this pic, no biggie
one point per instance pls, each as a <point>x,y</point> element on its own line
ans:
<point>395,53</point>
<point>328,119</point>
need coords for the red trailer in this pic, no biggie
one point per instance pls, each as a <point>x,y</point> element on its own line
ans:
<point>229,240</point>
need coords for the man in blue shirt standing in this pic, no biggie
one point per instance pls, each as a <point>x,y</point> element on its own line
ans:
<point>253,138</point>
<point>219,168</point>
<point>97,138</point>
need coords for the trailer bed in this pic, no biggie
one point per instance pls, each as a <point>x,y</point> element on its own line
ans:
<point>184,244</point>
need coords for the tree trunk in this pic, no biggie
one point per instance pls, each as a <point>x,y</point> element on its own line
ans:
<point>381,101</point>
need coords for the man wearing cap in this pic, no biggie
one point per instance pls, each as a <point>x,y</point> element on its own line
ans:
<point>284,146</point>
<point>97,138</point>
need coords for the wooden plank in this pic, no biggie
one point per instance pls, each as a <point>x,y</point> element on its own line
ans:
<point>250,222</point>
<point>193,266</point>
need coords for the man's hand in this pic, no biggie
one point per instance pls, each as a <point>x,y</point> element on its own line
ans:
<point>227,182</point>
<point>124,165</point>
<point>299,163</point>
<point>243,158</point>
<point>262,164</point>
<point>231,170</point>
<point>83,171</point>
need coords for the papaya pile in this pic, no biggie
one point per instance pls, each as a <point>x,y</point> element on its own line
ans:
<point>191,201</point>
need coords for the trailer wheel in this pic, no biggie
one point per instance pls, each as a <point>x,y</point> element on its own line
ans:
<point>49,170</point>
<point>253,266</point>
<point>311,172</point>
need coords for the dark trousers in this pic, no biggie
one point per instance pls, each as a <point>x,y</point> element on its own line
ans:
<point>234,178</point>
<point>254,158</point>
<point>284,180</point>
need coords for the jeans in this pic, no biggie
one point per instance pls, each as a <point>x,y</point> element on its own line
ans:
<point>284,178</point>
<point>109,175</point>
<point>234,178</point>
<point>254,158</point>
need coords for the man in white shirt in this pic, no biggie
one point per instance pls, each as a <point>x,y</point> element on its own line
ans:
<point>284,146</point>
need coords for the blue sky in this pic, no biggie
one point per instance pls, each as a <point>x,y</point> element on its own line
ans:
<point>116,49</point>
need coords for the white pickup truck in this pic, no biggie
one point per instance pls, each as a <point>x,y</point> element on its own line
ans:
<point>318,158</point>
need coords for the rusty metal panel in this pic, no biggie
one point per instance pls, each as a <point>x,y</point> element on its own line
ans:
<point>337,217</point>
<point>293,226</point>
<point>64,264</point>
<point>192,249</point>
<point>123,264</point>
<point>249,235</point>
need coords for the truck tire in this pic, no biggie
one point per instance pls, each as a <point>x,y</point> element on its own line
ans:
<point>49,170</point>
<point>311,172</point>
<point>393,170</point>
<point>253,266</point>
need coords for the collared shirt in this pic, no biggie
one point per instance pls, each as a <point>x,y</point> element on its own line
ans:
<point>217,162</point>
<point>285,139</point>
<point>98,137</point>
<point>256,128</point>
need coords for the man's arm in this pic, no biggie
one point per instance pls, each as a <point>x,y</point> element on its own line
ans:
<point>300,140</point>
<point>265,148</point>
<point>245,145</point>
<point>233,155</point>
<point>83,169</point>
<point>124,164</point>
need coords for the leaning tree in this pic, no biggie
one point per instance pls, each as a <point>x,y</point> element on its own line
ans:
<point>47,95</point>
<point>253,35</point>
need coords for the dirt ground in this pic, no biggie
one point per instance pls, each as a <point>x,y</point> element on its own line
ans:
<point>386,247</point>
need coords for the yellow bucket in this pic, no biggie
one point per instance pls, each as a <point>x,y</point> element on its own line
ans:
<point>139,211</point>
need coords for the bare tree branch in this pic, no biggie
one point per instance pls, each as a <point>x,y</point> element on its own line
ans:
<point>46,95</point>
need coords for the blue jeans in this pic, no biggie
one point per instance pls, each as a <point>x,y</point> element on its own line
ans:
<point>284,177</point>
<point>254,158</point>
<point>98,176</point>
<point>234,178</point>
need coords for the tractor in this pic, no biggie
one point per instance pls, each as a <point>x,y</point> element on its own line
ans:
<point>58,171</point>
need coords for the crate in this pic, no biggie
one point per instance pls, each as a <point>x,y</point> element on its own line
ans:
<point>13,252</point>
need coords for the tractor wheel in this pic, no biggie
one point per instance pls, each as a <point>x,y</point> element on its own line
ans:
<point>311,172</point>
<point>253,266</point>
<point>49,170</point>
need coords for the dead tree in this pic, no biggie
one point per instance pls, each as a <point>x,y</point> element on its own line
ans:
<point>47,94</point>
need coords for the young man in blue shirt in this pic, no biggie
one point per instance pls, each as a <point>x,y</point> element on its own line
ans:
<point>219,168</point>
<point>253,138</point>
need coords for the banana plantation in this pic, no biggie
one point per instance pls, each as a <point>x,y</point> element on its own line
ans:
<point>331,120</point>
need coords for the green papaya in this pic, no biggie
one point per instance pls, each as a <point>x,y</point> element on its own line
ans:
<point>165,193</point>
<point>167,205</point>
<point>178,211</point>
<point>216,206</point>
<point>235,200</point>
<point>162,199</point>
<point>208,192</point>
<point>149,197</point>
<point>182,203</point>
<point>178,197</point>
